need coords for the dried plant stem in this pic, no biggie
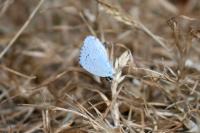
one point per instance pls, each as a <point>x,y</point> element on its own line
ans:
<point>128,20</point>
<point>22,29</point>
<point>114,105</point>
<point>5,7</point>
<point>17,73</point>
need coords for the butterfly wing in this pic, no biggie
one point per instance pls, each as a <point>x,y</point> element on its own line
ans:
<point>94,58</point>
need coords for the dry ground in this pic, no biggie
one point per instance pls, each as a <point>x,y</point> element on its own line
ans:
<point>154,46</point>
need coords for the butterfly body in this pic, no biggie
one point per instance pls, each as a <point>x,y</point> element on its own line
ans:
<point>94,58</point>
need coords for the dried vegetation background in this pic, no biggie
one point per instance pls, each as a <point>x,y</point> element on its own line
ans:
<point>155,48</point>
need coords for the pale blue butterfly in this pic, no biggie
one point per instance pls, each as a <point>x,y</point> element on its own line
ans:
<point>94,58</point>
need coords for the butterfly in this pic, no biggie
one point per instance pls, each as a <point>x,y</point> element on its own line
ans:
<point>94,58</point>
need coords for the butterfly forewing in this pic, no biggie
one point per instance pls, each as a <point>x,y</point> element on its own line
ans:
<point>94,58</point>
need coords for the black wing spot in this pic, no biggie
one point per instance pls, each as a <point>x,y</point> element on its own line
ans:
<point>109,79</point>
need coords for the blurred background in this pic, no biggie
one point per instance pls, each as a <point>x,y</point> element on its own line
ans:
<point>40,73</point>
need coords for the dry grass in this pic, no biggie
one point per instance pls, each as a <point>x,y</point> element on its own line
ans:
<point>154,46</point>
